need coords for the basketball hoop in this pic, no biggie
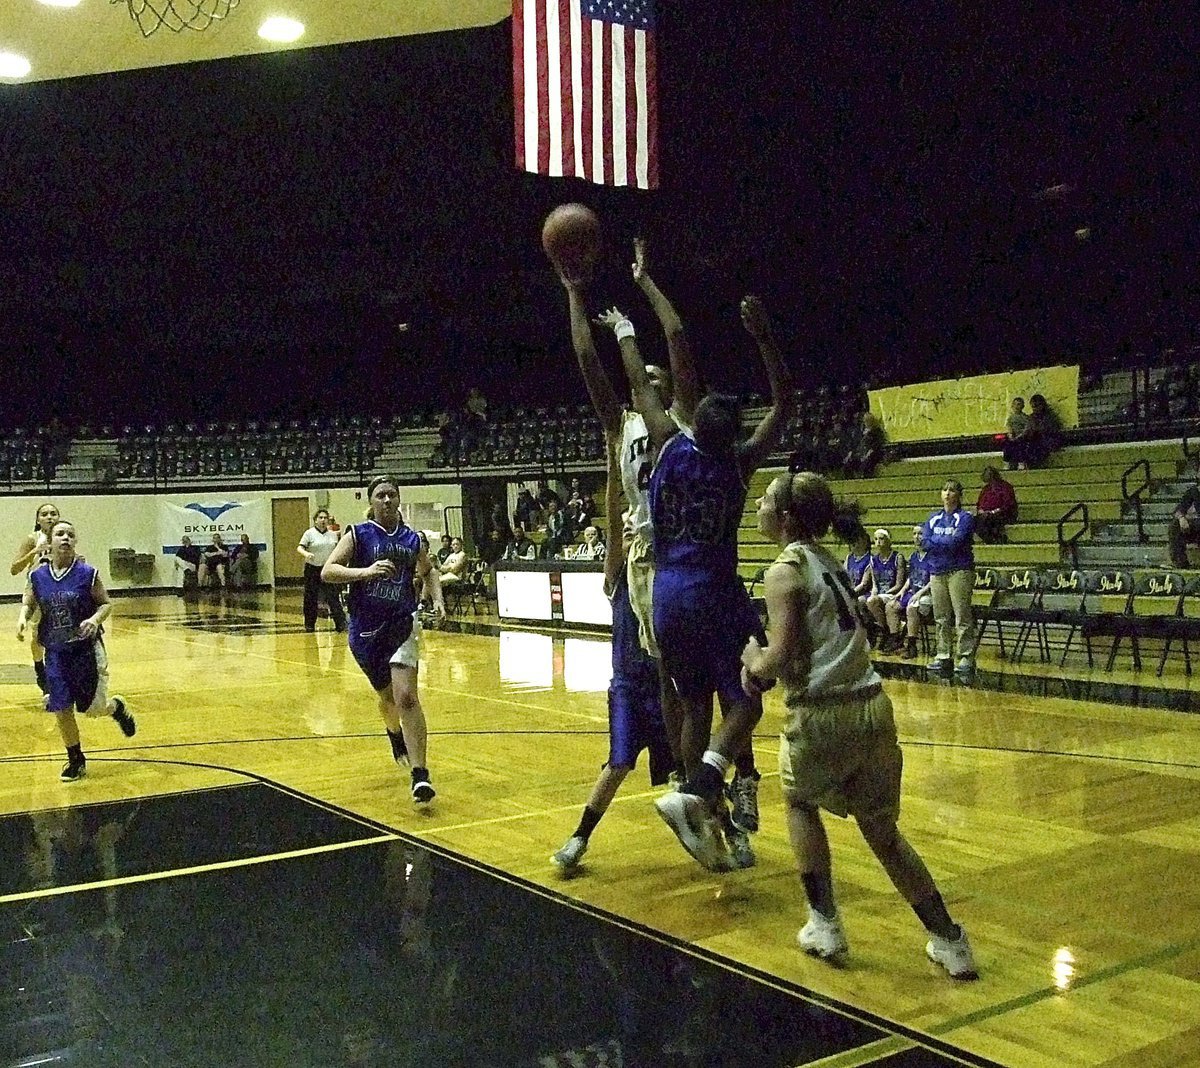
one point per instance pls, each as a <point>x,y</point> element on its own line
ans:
<point>176,15</point>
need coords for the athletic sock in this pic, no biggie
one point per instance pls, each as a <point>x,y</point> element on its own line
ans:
<point>399,749</point>
<point>931,911</point>
<point>74,754</point>
<point>587,822</point>
<point>745,765</point>
<point>818,888</point>
<point>707,782</point>
<point>420,775</point>
<point>39,672</point>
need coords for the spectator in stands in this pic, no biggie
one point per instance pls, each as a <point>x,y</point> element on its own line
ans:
<point>948,537</point>
<point>867,450</point>
<point>580,507</point>
<point>996,507</point>
<point>545,495</point>
<point>858,567</point>
<point>454,568</point>
<point>243,565</point>
<point>1184,527</point>
<point>528,512</point>
<point>889,573</point>
<point>187,560</point>
<point>519,546</point>
<point>1016,427</point>
<point>444,551</point>
<point>1043,434</point>
<point>215,562</point>
<point>916,598</point>
<point>476,404</point>
<point>593,547</point>
<point>556,530</point>
<point>492,547</point>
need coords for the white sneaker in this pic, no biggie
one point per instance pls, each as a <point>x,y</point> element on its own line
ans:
<point>965,669</point>
<point>939,663</point>
<point>696,828</point>
<point>570,854</point>
<point>956,957</point>
<point>823,937</point>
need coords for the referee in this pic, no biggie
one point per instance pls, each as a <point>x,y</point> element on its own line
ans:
<point>315,546</point>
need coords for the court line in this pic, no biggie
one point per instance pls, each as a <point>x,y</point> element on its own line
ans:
<point>728,964</point>
<point>199,869</point>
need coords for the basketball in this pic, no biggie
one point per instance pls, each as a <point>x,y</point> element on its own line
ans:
<point>571,238</point>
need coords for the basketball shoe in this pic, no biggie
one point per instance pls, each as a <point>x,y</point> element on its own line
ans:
<point>694,824</point>
<point>823,937</point>
<point>571,853</point>
<point>955,956</point>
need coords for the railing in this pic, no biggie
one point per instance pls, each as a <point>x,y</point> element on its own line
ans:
<point>1135,495</point>
<point>1071,545</point>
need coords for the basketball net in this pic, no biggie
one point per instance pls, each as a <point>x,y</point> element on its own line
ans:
<point>176,15</point>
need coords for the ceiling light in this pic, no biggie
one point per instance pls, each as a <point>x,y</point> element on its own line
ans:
<point>13,66</point>
<point>281,30</point>
<point>60,3</point>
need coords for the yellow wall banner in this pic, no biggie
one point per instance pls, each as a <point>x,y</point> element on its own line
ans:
<point>966,407</point>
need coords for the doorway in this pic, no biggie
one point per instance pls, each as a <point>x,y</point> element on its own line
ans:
<point>289,521</point>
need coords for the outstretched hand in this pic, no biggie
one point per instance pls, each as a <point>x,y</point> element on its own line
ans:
<point>640,271</point>
<point>611,318</point>
<point>754,317</point>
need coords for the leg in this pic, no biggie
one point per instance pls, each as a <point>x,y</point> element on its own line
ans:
<point>312,582</point>
<point>1177,543</point>
<point>939,588</point>
<point>961,585</point>
<point>948,945</point>
<point>203,575</point>
<point>823,935</point>
<point>605,789</point>
<point>875,607</point>
<point>673,718</point>
<point>891,610</point>
<point>409,716</point>
<point>333,601</point>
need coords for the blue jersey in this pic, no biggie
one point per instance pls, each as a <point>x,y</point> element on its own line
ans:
<point>696,504</point>
<point>949,540</point>
<point>65,601</point>
<point>886,570</point>
<point>856,567</point>
<point>918,571</point>
<point>383,600</point>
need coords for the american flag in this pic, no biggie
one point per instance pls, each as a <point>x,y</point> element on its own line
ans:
<point>584,84</point>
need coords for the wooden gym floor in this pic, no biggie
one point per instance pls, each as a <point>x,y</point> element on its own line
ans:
<point>1065,834</point>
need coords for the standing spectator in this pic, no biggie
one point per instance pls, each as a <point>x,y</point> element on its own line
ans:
<point>316,545</point>
<point>889,573</point>
<point>528,513</point>
<point>545,495</point>
<point>1184,527</point>
<point>1016,427</point>
<point>996,507</point>
<point>556,530</point>
<point>948,537</point>
<point>580,507</point>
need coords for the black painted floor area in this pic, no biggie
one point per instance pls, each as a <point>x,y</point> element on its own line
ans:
<point>380,954</point>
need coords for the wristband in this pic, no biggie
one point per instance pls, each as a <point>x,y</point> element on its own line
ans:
<point>624,329</point>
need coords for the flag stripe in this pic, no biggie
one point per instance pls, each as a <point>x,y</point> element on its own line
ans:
<point>518,33</point>
<point>585,99</point>
<point>543,93</point>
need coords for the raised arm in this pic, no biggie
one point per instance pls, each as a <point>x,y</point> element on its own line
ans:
<point>659,424</point>
<point>337,571</point>
<point>685,382</point>
<point>599,385</point>
<point>25,554</point>
<point>615,560</point>
<point>767,435</point>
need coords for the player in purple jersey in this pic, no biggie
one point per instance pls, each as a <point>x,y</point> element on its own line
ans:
<point>702,613</point>
<point>635,720</point>
<point>73,606</point>
<point>382,559</point>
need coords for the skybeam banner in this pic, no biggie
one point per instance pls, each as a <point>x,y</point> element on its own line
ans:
<point>968,407</point>
<point>203,517</point>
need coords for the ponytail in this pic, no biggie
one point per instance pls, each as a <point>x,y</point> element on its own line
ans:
<point>847,524</point>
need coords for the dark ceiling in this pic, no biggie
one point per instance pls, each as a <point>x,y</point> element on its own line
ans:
<point>246,235</point>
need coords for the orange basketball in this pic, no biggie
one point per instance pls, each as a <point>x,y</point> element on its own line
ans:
<point>571,238</point>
